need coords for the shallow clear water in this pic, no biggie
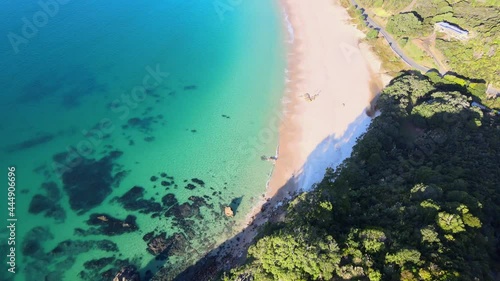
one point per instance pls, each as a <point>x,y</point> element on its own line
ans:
<point>79,112</point>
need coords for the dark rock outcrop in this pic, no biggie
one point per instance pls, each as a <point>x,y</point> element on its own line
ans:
<point>162,247</point>
<point>110,226</point>
<point>169,200</point>
<point>89,183</point>
<point>46,205</point>
<point>133,200</point>
<point>183,211</point>
<point>39,203</point>
<point>158,244</point>
<point>98,264</point>
<point>127,273</point>
<point>148,236</point>
<point>198,181</point>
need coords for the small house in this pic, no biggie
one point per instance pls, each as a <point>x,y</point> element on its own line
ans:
<point>452,30</point>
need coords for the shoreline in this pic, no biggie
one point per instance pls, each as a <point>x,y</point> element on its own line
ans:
<point>345,90</point>
<point>325,54</point>
<point>307,145</point>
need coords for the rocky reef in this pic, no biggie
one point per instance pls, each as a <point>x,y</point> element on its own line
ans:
<point>108,225</point>
<point>90,182</point>
<point>127,273</point>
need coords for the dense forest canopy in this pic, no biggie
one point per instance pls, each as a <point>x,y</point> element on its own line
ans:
<point>417,200</point>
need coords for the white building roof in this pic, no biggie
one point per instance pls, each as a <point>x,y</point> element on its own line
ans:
<point>453,28</point>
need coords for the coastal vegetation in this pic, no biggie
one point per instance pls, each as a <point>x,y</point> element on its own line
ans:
<point>408,24</point>
<point>417,200</point>
<point>387,5</point>
<point>476,57</point>
<point>391,63</point>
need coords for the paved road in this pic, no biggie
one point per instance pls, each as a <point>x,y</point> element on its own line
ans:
<point>394,45</point>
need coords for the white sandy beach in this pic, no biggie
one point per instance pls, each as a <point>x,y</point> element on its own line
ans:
<point>325,59</point>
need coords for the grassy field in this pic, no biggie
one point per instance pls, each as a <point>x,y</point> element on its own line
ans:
<point>380,12</point>
<point>391,63</point>
<point>419,55</point>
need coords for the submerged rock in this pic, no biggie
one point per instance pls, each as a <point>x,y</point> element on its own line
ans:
<point>158,244</point>
<point>198,181</point>
<point>148,236</point>
<point>98,264</point>
<point>89,183</point>
<point>108,274</point>
<point>57,212</point>
<point>134,121</point>
<point>143,125</point>
<point>39,203</point>
<point>43,204</point>
<point>35,141</point>
<point>73,248</point>
<point>94,269</point>
<point>110,226</point>
<point>169,200</point>
<point>198,201</point>
<point>133,200</point>
<point>127,273</point>
<point>162,247</point>
<point>183,211</point>
<point>31,245</point>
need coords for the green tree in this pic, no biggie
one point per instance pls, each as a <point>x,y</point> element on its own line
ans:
<point>374,275</point>
<point>372,239</point>
<point>403,256</point>
<point>283,257</point>
<point>406,24</point>
<point>372,34</point>
<point>429,235</point>
<point>424,208</point>
<point>450,222</point>
<point>468,218</point>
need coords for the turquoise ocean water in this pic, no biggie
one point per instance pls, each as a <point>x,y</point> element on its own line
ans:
<point>128,121</point>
